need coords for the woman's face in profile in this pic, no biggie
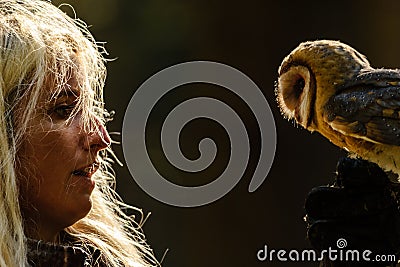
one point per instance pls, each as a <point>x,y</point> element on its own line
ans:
<point>58,159</point>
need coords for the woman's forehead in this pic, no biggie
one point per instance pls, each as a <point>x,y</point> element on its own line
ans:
<point>67,93</point>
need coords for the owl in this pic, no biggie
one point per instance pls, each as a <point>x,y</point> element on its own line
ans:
<point>328,87</point>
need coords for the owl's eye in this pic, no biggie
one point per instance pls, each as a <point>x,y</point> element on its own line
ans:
<point>298,86</point>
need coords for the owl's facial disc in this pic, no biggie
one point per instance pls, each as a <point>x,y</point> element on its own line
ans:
<point>295,95</point>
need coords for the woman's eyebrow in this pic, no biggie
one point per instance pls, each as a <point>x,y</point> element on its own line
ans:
<point>67,93</point>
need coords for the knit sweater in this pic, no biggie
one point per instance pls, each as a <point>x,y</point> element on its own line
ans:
<point>42,254</point>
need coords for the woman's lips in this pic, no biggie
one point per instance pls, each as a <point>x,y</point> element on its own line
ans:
<point>87,171</point>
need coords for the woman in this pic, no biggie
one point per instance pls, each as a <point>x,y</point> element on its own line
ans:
<point>57,205</point>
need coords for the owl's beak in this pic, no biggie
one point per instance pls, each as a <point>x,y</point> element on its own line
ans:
<point>297,117</point>
<point>302,119</point>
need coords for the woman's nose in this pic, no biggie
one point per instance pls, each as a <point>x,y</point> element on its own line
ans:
<point>98,139</point>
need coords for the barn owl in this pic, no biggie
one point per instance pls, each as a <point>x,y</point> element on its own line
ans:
<point>328,87</point>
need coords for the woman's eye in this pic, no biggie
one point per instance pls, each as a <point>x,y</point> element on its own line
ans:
<point>64,111</point>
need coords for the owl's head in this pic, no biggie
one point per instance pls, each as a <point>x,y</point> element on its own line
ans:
<point>311,74</point>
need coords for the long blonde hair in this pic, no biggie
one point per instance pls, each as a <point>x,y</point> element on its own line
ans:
<point>39,47</point>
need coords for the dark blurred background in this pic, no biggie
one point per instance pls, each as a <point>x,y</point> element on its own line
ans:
<point>253,36</point>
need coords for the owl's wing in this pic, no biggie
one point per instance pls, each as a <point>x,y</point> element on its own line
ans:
<point>369,108</point>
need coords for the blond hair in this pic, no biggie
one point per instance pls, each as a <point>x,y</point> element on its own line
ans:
<point>40,47</point>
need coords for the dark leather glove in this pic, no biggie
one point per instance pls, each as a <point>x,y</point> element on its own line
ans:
<point>359,211</point>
